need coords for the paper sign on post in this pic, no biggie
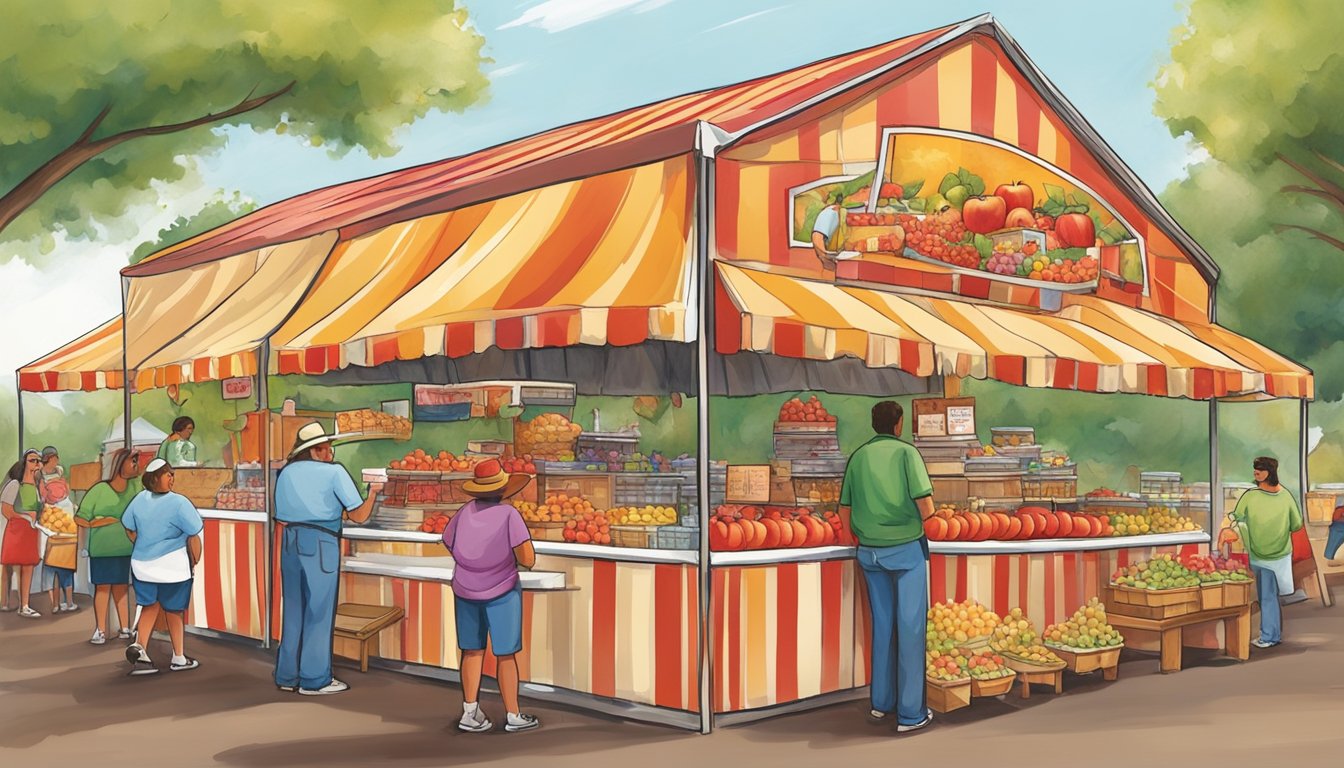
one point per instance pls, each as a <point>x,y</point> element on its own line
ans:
<point>748,484</point>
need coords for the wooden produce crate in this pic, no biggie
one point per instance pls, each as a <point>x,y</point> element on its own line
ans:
<point>1237,593</point>
<point>1081,661</point>
<point>1211,597</point>
<point>947,696</point>
<point>1152,604</point>
<point>996,687</point>
<point>1321,506</point>
<point>548,531</point>
<point>637,536</point>
<point>1041,674</point>
<point>201,484</point>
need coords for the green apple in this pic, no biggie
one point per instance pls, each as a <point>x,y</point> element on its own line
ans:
<point>957,195</point>
<point>935,203</point>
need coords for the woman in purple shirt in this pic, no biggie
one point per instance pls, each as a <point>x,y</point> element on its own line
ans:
<point>489,542</point>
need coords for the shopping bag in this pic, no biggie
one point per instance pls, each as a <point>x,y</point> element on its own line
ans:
<point>61,553</point>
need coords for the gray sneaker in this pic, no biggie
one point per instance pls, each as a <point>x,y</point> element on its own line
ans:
<point>928,718</point>
<point>335,686</point>
<point>98,637</point>
<point>144,667</point>
<point>521,722</point>
<point>475,722</point>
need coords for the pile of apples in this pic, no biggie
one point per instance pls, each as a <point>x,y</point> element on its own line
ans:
<point>952,524</point>
<point>420,460</point>
<point>811,410</point>
<point>520,465</point>
<point>735,527</point>
<point>435,523</point>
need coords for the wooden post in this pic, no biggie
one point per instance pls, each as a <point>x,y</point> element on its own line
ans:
<point>268,528</point>
<point>1326,598</point>
<point>951,386</point>
<point>704,272</point>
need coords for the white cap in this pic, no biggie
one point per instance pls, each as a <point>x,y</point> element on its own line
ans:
<point>155,465</point>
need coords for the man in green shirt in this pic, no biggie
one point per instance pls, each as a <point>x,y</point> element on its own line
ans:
<point>1268,515</point>
<point>889,495</point>
<point>177,449</point>
<point>109,547</point>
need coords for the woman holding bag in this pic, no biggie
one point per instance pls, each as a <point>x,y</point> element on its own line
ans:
<point>1268,515</point>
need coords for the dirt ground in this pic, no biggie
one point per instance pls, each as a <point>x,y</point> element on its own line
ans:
<point>64,702</point>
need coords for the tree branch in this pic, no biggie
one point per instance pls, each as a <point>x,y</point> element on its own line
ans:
<point>1312,191</point>
<point>81,150</point>
<point>1333,163</point>
<point>1337,243</point>
<point>246,105</point>
<point>1333,190</point>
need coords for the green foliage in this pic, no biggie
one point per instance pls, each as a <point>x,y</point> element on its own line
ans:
<point>347,75</point>
<point>217,212</point>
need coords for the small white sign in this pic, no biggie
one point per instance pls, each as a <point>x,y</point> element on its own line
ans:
<point>961,420</point>
<point>931,425</point>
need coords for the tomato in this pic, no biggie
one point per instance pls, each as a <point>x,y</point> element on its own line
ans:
<point>1075,230</point>
<point>983,215</point>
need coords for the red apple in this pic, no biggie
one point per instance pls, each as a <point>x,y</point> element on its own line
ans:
<point>1020,217</point>
<point>983,215</point>
<point>1075,230</point>
<point>1016,195</point>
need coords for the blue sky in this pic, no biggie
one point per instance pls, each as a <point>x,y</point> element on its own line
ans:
<point>559,61</point>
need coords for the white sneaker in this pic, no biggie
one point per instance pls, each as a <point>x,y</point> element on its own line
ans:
<point>186,663</point>
<point>98,637</point>
<point>335,686</point>
<point>521,722</point>
<point>474,722</point>
<point>29,613</point>
<point>928,718</point>
<point>1258,643</point>
<point>124,634</point>
<point>71,607</point>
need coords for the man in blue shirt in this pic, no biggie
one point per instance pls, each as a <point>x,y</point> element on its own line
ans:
<point>824,229</point>
<point>312,496</point>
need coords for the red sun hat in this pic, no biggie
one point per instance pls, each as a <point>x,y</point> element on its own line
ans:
<point>490,479</point>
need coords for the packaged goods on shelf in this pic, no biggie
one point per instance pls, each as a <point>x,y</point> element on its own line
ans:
<point>1012,437</point>
<point>1166,485</point>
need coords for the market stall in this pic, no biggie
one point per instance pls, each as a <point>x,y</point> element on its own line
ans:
<point>603,307</point>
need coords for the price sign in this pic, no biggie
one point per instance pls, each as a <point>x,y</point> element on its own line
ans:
<point>931,425</point>
<point>748,484</point>
<point>961,420</point>
<point>237,389</point>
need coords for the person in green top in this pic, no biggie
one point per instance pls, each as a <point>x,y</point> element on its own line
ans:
<point>1268,515</point>
<point>177,449</point>
<point>889,495</point>
<point>109,546</point>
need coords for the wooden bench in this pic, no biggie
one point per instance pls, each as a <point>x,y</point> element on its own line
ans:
<point>357,628</point>
<point>1236,632</point>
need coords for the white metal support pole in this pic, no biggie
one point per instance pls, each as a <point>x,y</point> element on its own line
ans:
<point>1302,432</point>
<point>18,393</point>
<point>704,277</point>
<point>268,539</point>
<point>1215,485</point>
<point>126,383</point>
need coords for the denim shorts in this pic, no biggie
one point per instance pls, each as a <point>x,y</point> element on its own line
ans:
<point>171,597</point>
<point>500,617</point>
<point>110,570</point>
<point>60,577</point>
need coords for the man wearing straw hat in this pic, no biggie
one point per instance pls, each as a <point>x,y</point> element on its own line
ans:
<point>312,496</point>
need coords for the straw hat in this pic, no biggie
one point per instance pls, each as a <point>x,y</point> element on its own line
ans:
<point>310,435</point>
<point>490,479</point>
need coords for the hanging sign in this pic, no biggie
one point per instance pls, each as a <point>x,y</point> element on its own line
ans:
<point>237,389</point>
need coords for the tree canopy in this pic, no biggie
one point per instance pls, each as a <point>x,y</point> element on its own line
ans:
<point>99,102</point>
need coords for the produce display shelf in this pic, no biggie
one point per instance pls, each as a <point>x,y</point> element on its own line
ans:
<point>1067,545</point>
<point>237,516</point>
<point>559,549</point>
<point>773,556</point>
<point>358,437</point>
<point>442,570</point>
<point>1087,287</point>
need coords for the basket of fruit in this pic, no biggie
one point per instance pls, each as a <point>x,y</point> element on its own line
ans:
<point>1086,641</point>
<point>798,415</point>
<point>947,681</point>
<point>1018,643</point>
<point>1238,586</point>
<point>549,436</point>
<point>1160,588</point>
<point>959,625</point>
<point>57,523</point>
<point>990,674</point>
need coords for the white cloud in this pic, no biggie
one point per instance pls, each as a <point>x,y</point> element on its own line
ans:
<point>559,15</point>
<point>748,17</point>
<point>495,74</point>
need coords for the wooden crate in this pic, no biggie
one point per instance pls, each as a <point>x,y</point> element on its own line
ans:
<point>548,531</point>
<point>1028,673</point>
<point>996,687</point>
<point>1082,661</point>
<point>1321,506</point>
<point>1237,593</point>
<point>201,484</point>
<point>1211,597</point>
<point>1152,604</point>
<point>994,485</point>
<point>947,697</point>
<point>637,536</point>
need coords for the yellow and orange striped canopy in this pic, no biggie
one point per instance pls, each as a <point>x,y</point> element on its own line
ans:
<point>90,362</point>
<point>1092,345</point>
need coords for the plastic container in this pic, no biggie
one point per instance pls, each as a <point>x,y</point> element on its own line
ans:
<point>1006,437</point>
<point>1165,485</point>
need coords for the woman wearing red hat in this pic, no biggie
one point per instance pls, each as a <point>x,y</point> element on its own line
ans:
<point>489,542</point>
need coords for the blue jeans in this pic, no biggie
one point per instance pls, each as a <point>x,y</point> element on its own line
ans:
<point>898,596</point>
<point>1271,615</point>
<point>310,564</point>
<point>1335,538</point>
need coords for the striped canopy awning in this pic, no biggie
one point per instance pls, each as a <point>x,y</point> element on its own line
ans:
<point>602,260</point>
<point>90,362</point>
<point>1091,345</point>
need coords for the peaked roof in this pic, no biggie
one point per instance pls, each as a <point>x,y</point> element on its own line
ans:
<point>705,120</point>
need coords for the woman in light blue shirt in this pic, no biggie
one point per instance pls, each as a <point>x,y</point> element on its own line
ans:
<point>165,529</point>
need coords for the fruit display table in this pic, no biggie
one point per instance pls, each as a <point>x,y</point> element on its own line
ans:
<point>1236,631</point>
<point>1027,674</point>
<point>1082,662</point>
